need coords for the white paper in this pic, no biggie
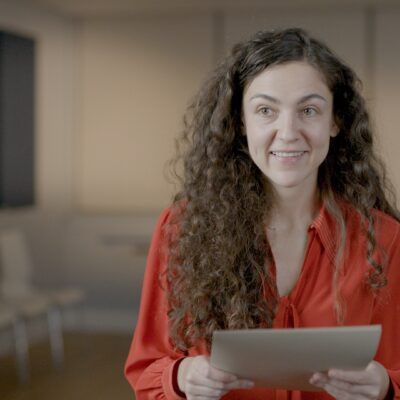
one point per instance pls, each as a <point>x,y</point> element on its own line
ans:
<point>287,358</point>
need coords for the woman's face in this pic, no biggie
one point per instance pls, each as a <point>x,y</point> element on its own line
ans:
<point>288,119</point>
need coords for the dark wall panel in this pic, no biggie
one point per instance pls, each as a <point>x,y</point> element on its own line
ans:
<point>16,120</point>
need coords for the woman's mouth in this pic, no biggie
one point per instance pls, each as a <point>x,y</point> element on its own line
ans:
<point>287,153</point>
<point>288,156</point>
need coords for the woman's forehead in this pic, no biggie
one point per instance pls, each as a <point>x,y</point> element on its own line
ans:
<point>292,79</point>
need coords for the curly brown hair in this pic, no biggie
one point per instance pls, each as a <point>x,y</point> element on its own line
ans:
<point>218,272</point>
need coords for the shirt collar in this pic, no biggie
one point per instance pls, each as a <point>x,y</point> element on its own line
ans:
<point>328,230</point>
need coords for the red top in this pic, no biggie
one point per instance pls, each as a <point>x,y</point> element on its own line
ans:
<point>151,364</point>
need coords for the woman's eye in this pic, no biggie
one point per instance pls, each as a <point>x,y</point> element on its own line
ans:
<point>266,111</point>
<point>309,111</point>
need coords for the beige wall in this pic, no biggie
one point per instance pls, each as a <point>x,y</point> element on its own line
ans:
<point>110,98</point>
<point>137,77</point>
<point>387,89</point>
<point>55,125</point>
<point>343,30</point>
<point>111,92</point>
<point>138,74</point>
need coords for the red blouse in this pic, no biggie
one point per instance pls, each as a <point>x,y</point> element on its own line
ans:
<point>151,364</point>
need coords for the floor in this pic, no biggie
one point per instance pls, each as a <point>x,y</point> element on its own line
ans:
<point>93,369</point>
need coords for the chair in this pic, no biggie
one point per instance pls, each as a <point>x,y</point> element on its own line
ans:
<point>8,320</point>
<point>27,301</point>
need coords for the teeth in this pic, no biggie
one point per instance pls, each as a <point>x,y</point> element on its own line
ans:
<point>287,153</point>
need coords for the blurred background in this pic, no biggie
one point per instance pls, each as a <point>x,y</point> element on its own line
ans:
<point>110,82</point>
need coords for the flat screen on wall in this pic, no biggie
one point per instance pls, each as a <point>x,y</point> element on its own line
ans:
<point>17,54</point>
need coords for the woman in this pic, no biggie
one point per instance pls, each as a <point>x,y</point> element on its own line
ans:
<point>282,221</point>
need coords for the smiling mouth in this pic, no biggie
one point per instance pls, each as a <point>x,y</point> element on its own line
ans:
<point>287,154</point>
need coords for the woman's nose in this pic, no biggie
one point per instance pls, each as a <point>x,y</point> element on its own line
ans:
<point>288,127</point>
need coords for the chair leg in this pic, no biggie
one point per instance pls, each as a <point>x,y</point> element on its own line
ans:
<point>22,351</point>
<point>56,336</point>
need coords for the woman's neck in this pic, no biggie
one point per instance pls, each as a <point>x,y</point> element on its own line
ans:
<point>294,209</point>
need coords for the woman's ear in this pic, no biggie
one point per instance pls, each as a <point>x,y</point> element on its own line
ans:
<point>334,129</point>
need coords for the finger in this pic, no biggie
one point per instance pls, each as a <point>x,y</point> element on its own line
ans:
<point>194,397</point>
<point>342,395</point>
<point>201,381</point>
<point>204,391</point>
<point>360,377</point>
<point>370,391</point>
<point>219,375</point>
<point>321,380</point>
<point>319,377</point>
<point>218,385</point>
<point>211,388</point>
<point>210,380</point>
<point>239,384</point>
<point>204,368</point>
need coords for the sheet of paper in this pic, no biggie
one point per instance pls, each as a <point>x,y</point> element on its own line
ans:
<point>287,358</point>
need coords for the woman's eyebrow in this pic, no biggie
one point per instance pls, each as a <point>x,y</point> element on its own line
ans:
<point>266,97</point>
<point>276,101</point>
<point>312,96</point>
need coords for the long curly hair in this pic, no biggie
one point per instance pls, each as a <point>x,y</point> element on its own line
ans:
<point>218,271</point>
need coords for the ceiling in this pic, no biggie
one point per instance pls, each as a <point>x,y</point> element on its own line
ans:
<point>92,8</point>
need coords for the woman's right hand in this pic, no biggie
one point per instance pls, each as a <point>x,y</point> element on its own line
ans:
<point>199,380</point>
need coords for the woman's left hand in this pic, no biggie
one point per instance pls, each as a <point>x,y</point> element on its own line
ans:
<point>372,383</point>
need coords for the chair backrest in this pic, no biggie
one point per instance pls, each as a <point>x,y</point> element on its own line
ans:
<point>15,264</point>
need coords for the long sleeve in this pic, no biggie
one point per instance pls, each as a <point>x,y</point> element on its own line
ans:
<point>152,361</point>
<point>387,313</point>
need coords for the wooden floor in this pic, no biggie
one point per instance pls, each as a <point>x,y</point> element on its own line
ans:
<point>93,369</point>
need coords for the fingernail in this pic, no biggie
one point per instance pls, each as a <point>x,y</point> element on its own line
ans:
<point>317,378</point>
<point>332,373</point>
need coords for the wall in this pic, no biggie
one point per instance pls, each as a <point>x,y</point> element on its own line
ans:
<point>111,95</point>
<point>55,123</point>
<point>137,76</point>
<point>386,87</point>
<point>150,67</point>
<point>56,83</point>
